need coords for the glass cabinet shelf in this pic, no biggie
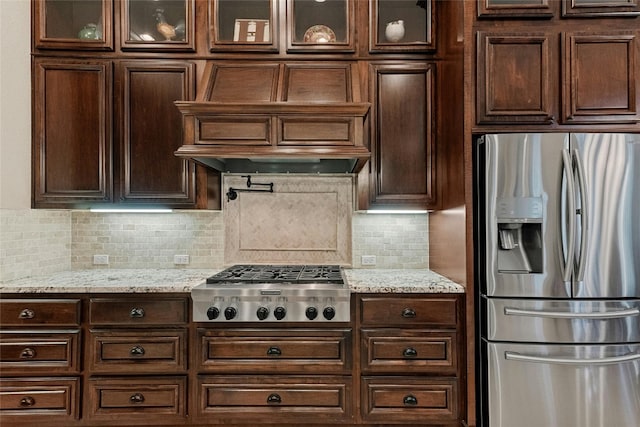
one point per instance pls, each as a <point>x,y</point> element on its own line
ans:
<point>73,24</point>
<point>157,24</point>
<point>247,25</point>
<point>321,25</point>
<point>401,25</point>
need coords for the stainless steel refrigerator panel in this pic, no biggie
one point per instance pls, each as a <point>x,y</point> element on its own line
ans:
<point>562,321</point>
<point>608,248</point>
<point>522,197</point>
<point>563,386</point>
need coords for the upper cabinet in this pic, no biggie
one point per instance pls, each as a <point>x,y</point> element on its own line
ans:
<point>250,25</point>
<point>157,25</point>
<point>559,71</point>
<point>405,25</point>
<point>326,25</point>
<point>72,24</point>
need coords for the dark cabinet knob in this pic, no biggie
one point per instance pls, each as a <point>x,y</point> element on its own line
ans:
<point>27,313</point>
<point>213,313</point>
<point>408,313</point>
<point>329,313</point>
<point>274,351</point>
<point>410,352</point>
<point>280,312</point>
<point>311,313</point>
<point>410,400</point>
<point>136,313</point>
<point>262,313</point>
<point>137,351</point>
<point>274,398</point>
<point>27,353</point>
<point>230,313</point>
<point>27,401</point>
<point>137,398</point>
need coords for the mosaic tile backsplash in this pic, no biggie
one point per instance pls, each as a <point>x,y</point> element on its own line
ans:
<point>35,242</point>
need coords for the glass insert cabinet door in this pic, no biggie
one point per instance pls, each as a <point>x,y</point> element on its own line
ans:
<point>73,24</point>
<point>320,25</point>
<point>401,25</point>
<point>243,25</point>
<point>587,8</point>
<point>157,25</point>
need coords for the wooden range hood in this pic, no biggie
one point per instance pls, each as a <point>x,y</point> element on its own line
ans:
<point>301,117</point>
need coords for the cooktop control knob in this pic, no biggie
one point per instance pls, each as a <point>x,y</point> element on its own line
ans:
<point>230,313</point>
<point>311,313</point>
<point>329,313</point>
<point>262,313</point>
<point>213,313</point>
<point>280,312</point>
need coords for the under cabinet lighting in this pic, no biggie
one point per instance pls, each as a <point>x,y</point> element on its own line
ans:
<point>405,211</point>
<point>131,210</point>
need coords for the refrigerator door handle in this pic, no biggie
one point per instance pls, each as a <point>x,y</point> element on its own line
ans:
<point>567,268</point>
<point>510,355</point>
<point>584,216</point>
<point>509,311</point>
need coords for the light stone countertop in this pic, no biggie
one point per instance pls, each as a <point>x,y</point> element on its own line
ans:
<point>400,281</point>
<point>182,280</point>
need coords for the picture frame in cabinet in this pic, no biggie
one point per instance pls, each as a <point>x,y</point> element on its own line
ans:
<point>515,8</point>
<point>72,25</point>
<point>321,26</point>
<point>402,26</point>
<point>164,25</point>
<point>600,8</point>
<point>231,26</point>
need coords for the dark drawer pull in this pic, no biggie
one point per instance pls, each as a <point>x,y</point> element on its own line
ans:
<point>27,353</point>
<point>410,400</point>
<point>274,351</point>
<point>408,313</point>
<point>137,351</point>
<point>136,313</point>
<point>410,352</point>
<point>274,398</point>
<point>27,401</point>
<point>27,313</point>
<point>137,398</point>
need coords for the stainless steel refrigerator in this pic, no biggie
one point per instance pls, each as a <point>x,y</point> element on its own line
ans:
<point>558,255</point>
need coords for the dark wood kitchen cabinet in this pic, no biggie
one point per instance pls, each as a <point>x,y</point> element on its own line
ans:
<point>559,71</point>
<point>403,145</point>
<point>137,359</point>
<point>40,360</point>
<point>411,363</point>
<point>105,131</point>
<point>288,375</point>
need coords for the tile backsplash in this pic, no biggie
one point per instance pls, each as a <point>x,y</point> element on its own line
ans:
<point>36,242</point>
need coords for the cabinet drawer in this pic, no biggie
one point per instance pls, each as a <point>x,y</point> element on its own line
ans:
<point>290,351</point>
<point>402,399</point>
<point>39,399</point>
<point>138,311</point>
<point>40,312</point>
<point>39,351</point>
<point>395,350</point>
<point>409,311</point>
<point>136,398</point>
<point>137,351</point>
<point>257,397</point>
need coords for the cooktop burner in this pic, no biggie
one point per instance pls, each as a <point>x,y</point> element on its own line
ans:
<point>278,274</point>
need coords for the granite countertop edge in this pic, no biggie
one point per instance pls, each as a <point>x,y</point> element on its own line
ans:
<point>136,281</point>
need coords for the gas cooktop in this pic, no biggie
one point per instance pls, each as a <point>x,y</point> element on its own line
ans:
<point>279,274</point>
<point>272,293</point>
